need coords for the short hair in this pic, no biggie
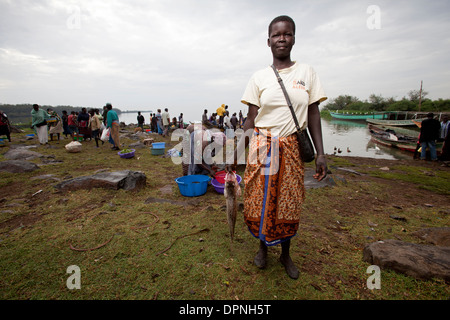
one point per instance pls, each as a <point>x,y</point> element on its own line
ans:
<point>282,19</point>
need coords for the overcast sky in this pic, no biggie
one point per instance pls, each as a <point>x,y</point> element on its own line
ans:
<point>189,55</point>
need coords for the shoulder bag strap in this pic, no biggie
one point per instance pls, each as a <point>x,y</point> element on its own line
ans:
<point>280,81</point>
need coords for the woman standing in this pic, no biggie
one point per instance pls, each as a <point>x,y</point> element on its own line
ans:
<point>83,120</point>
<point>72,123</point>
<point>181,121</point>
<point>95,126</point>
<point>39,123</point>
<point>55,127</point>
<point>5,128</point>
<point>65,121</point>
<point>241,119</point>
<point>274,187</point>
<point>159,123</point>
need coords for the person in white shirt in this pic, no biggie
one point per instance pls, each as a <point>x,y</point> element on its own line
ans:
<point>166,121</point>
<point>226,120</point>
<point>274,188</point>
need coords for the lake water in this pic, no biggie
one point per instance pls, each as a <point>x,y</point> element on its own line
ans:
<point>336,133</point>
<point>355,136</point>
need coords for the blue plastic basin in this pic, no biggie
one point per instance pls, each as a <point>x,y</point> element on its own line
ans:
<point>193,185</point>
<point>158,145</point>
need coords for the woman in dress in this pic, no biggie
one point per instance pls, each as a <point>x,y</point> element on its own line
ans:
<point>55,126</point>
<point>39,123</point>
<point>274,186</point>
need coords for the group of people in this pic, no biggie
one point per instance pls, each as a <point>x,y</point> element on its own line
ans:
<point>86,124</point>
<point>160,122</point>
<point>221,118</point>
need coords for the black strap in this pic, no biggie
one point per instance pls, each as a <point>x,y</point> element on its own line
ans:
<point>280,81</point>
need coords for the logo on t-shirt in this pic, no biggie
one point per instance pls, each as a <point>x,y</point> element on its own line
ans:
<point>299,84</point>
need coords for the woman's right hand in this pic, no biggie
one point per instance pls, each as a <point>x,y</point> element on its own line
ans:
<point>230,168</point>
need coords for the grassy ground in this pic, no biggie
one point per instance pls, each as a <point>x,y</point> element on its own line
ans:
<point>181,249</point>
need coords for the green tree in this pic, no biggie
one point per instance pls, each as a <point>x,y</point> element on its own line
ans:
<point>341,102</point>
<point>414,95</point>
<point>442,105</point>
<point>402,105</point>
<point>378,102</point>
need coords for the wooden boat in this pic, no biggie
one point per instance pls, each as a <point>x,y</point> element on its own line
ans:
<point>358,116</point>
<point>397,144</point>
<point>404,131</point>
<point>406,123</point>
<point>390,139</point>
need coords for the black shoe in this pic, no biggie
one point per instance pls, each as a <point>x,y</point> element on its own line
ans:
<point>290,268</point>
<point>260,260</point>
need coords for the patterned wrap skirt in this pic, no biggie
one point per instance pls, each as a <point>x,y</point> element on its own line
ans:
<point>274,189</point>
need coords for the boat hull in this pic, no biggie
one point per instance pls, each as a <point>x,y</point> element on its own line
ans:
<point>400,144</point>
<point>406,123</point>
<point>348,116</point>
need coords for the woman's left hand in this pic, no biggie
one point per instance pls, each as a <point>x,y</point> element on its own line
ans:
<point>321,168</point>
<point>212,173</point>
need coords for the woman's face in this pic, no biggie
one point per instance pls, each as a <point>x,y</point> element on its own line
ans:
<point>281,39</point>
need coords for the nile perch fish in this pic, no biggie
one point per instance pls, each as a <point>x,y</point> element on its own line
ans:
<point>231,192</point>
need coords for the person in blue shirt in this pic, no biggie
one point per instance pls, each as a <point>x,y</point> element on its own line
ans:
<point>112,122</point>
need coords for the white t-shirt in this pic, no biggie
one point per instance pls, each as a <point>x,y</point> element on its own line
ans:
<point>226,121</point>
<point>165,118</point>
<point>263,90</point>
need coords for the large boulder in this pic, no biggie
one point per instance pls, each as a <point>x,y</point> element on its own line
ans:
<point>125,179</point>
<point>416,260</point>
<point>21,154</point>
<point>17,166</point>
